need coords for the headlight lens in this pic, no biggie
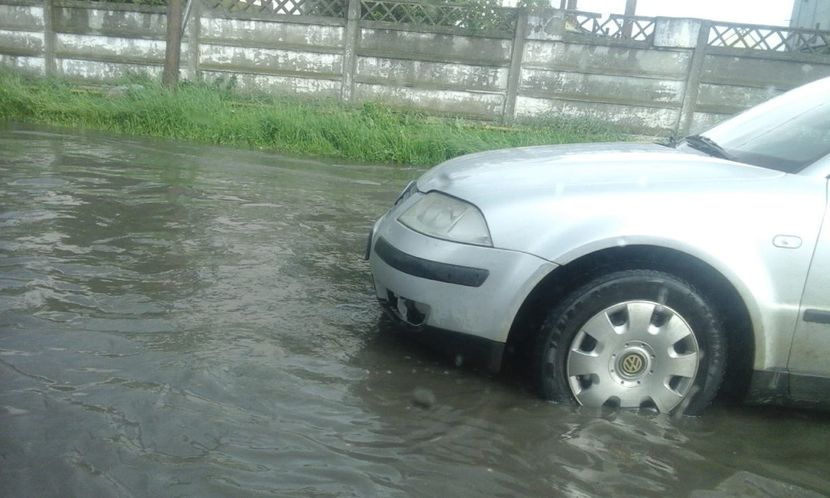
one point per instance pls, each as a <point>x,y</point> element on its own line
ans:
<point>444,217</point>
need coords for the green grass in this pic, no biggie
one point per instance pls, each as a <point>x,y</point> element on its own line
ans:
<point>212,114</point>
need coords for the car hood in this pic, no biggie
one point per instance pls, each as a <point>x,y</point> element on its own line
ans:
<point>593,167</point>
<point>561,202</point>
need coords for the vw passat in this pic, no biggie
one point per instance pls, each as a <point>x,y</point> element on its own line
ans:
<point>636,276</point>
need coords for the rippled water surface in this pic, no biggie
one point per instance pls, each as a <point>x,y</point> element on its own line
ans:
<point>190,321</point>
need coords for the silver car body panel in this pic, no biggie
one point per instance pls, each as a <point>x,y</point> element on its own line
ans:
<point>811,345</point>
<point>569,201</point>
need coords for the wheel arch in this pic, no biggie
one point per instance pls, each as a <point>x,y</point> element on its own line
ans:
<point>721,293</point>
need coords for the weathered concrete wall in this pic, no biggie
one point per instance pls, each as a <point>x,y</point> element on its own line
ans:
<point>624,83</point>
<point>673,81</point>
<point>438,72</point>
<point>653,75</point>
<point>22,36</point>
<point>277,57</point>
<point>98,42</point>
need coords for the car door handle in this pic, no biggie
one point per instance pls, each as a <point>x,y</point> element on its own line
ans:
<point>787,241</point>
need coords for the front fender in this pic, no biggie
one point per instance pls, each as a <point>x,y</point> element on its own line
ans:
<point>731,232</point>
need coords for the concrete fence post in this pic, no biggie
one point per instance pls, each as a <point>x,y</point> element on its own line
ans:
<point>693,34</point>
<point>351,37</point>
<point>173,44</point>
<point>514,75</point>
<point>49,64</point>
<point>194,27</point>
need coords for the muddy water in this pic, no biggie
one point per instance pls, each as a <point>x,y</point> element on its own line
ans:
<point>190,321</point>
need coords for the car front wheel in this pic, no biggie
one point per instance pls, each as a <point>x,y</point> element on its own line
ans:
<point>632,339</point>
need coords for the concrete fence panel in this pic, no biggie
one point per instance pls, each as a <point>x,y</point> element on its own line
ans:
<point>25,43</point>
<point>622,61</point>
<point>443,101</point>
<point>22,37</point>
<point>279,56</point>
<point>99,42</point>
<point>397,72</point>
<point>21,17</point>
<point>434,71</point>
<point>271,33</point>
<point>98,19</point>
<point>435,46</point>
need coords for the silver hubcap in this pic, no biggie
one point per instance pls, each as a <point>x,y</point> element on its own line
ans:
<point>633,354</point>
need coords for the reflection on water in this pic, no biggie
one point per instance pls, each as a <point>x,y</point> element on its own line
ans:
<point>182,320</point>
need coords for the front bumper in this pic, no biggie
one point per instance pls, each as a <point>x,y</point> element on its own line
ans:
<point>428,282</point>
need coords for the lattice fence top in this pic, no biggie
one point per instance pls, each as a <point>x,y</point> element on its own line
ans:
<point>503,20</point>
<point>319,8</point>
<point>493,19</point>
<point>617,26</point>
<point>769,38</point>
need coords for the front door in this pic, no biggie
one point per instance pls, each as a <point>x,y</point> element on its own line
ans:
<point>809,363</point>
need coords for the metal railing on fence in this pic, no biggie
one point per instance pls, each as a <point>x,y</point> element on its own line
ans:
<point>619,27</point>
<point>317,8</point>
<point>638,28</point>
<point>468,17</point>
<point>768,38</point>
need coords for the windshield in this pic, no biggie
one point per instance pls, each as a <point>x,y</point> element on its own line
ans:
<point>787,133</point>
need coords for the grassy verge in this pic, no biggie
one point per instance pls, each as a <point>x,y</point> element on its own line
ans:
<point>370,133</point>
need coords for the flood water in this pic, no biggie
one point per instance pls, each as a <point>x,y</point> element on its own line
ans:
<point>180,320</point>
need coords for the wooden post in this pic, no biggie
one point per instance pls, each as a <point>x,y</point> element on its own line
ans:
<point>173,50</point>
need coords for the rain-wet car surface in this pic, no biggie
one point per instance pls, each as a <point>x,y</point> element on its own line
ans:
<point>632,275</point>
<point>182,320</point>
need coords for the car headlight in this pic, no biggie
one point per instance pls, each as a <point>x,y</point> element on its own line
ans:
<point>444,217</point>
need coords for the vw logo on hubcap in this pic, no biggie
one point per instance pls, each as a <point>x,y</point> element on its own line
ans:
<point>632,364</point>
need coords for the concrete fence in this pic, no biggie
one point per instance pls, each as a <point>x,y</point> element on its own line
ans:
<point>653,75</point>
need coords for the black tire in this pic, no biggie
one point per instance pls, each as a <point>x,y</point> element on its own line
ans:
<point>567,319</point>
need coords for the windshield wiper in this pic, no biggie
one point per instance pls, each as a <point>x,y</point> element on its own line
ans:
<point>707,146</point>
<point>670,141</point>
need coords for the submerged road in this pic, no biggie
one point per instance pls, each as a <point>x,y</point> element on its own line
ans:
<point>180,320</point>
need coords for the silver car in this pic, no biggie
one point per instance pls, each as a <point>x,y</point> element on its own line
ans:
<point>630,275</point>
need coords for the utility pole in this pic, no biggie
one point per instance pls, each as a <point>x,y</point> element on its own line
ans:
<point>630,10</point>
<point>173,50</point>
